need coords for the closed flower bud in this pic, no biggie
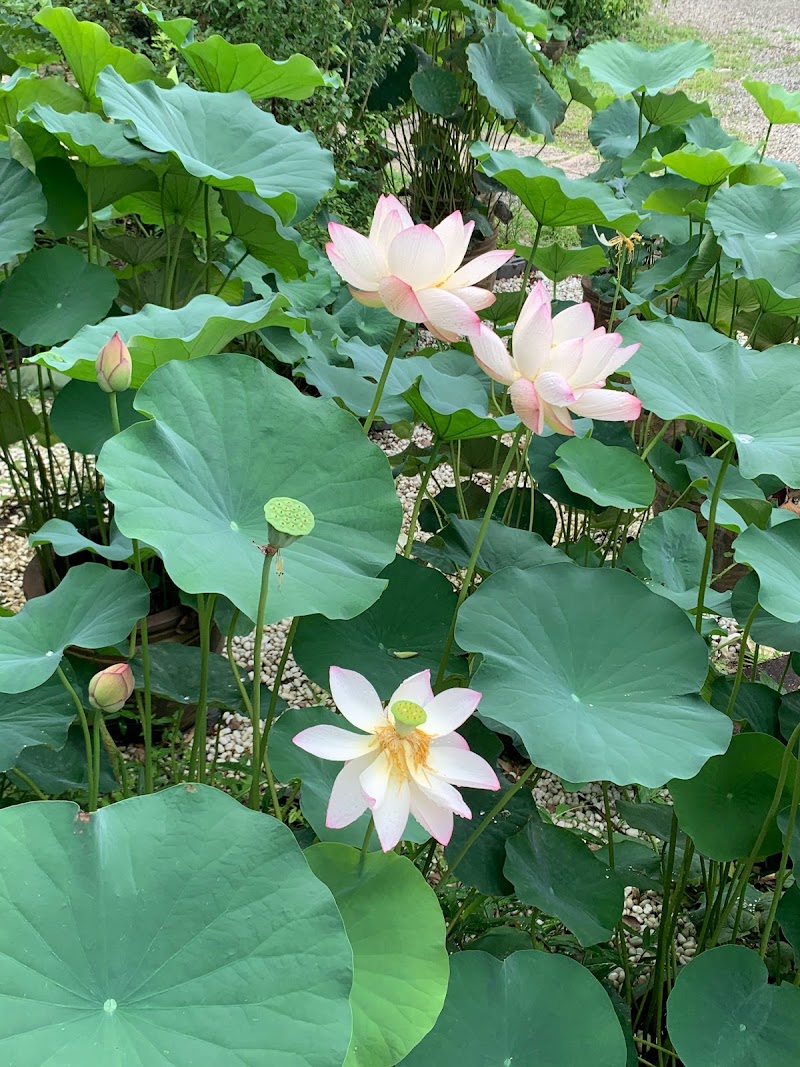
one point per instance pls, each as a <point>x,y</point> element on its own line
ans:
<point>110,689</point>
<point>287,519</point>
<point>114,366</point>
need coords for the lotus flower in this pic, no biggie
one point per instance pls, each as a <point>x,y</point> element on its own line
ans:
<point>113,366</point>
<point>415,271</point>
<point>407,760</point>
<point>558,364</point>
<point>109,689</point>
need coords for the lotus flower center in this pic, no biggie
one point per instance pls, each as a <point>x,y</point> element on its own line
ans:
<point>289,516</point>
<point>405,746</point>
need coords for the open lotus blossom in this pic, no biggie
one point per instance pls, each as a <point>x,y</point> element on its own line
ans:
<point>415,271</point>
<point>558,364</point>
<point>407,760</point>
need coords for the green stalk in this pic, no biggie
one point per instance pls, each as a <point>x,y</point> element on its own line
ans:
<point>748,864</point>
<point>780,878</point>
<point>255,715</point>
<point>487,819</point>
<point>423,485</point>
<point>365,847</point>
<point>737,681</point>
<point>529,266</point>
<point>270,718</point>
<point>712,522</point>
<point>473,560</point>
<point>30,785</point>
<point>87,737</point>
<point>373,411</point>
<point>112,403</point>
<point>234,665</point>
<point>147,713</point>
<point>766,142</point>
<point>197,762</point>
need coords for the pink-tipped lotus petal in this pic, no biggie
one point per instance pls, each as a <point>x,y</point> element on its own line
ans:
<point>492,355</point>
<point>479,268</point>
<point>356,699</point>
<point>462,768</point>
<point>347,801</point>
<point>344,268</point>
<point>363,259</point>
<point>525,402</point>
<point>454,234</point>
<point>558,419</point>
<point>330,742</point>
<point>417,689</point>
<point>400,299</point>
<point>375,779</point>
<point>575,321</point>
<point>476,298</point>
<point>437,820</point>
<point>391,816</point>
<point>454,740</point>
<point>440,791</point>
<point>531,341</point>
<point>537,298</point>
<point>448,313</point>
<point>607,405</point>
<point>599,365</point>
<point>447,711</point>
<point>554,389</point>
<point>417,257</point>
<point>443,335</point>
<point>371,300</point>
<point>393,224</point>
<point>386,206</point>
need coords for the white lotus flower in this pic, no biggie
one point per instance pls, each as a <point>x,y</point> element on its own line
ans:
<point>406,762</point>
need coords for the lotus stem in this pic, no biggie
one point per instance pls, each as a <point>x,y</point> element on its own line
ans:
<point>373,411</point>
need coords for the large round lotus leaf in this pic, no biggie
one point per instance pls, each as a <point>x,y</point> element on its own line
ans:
<point>510,79</point>
<point>596,675</point>
<point>88,49</point>
<point>775,557</point>
<point>780,106</point>
<point>724,806</point>
<point>614,131</point>
<point>225,68</point>
<point>629,68</point>
<point>317,775</point>
<point>39,717</point>
<point>156,335</point>
<point>228,435</point>
<point>766,629</point>
<point>608,475</point>
<point>23,207</point>
<point>396,930</point>
<point>686,370</point>
<point>81,417</point>
<point>225,140</point>
<point>436,90</point>
<point>707,166</point>
<point>93,606</point>
<point>90,139</point>
<point>531,1009</point>
<point>723,1012</point>
<point>53,293</point>
<point>402,633</point>
<point>552,869</point>
<point>760,226</point>
<point>551,197</point>
<point>177,929</point>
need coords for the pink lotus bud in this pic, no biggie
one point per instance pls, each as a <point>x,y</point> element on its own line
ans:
<point>114,366</point>
<point>110,688</point>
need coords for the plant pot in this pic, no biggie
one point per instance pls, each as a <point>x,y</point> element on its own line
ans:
<point>601,309</point>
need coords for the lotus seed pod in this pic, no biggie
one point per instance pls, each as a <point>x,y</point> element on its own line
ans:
<point>407,716</point>
<point>287,519</point>
<point>114,366</point>
<point>109,689</point>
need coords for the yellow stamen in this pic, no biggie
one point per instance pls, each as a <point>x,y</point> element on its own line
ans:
<point>403,752</point>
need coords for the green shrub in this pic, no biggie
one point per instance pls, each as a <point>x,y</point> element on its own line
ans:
<point>593,19</point>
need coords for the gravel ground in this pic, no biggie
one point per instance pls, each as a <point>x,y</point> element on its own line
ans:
<point>768,32</point>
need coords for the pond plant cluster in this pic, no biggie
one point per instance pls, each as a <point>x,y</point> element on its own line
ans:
<point>189,381</point>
